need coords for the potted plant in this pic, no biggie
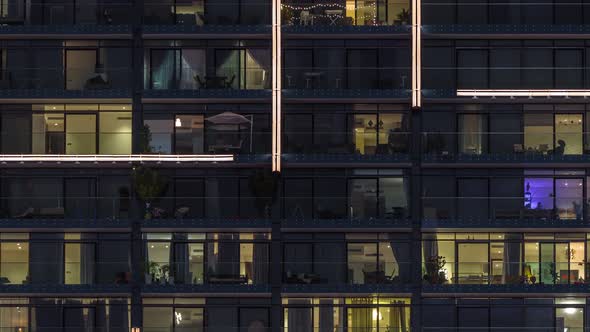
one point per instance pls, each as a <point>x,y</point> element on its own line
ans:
<point>145,138</point>
<point>165,271</point>
<point>151,271</point>
<point>287,15</point>
<point>149,186</point>
<point>404,16</point>
<point>434,266</point>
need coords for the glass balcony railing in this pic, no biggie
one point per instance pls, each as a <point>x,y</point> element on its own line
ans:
<point>59,207</point>
<point>197,273</point>
<point>206,12</point>
<point>63,140</point>
<point>65,78</point>
<point>548,72</point>
<point>214,139</point>
<point>536,205</point>
<point>64,12</point>
<point>64,273</point>
<point>340,78</point>
<point>566,143</point>
<point>228,79</point>
<point>362,272</point>
<point>57,141</point>
<point>499,272</point>
<point>504,13</point>
<point>335,13</point>
<point>362,205</point>
<point>366,141</point>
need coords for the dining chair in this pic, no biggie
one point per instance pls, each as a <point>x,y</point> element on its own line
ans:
<point>230,82</point>
<point>202,85</point>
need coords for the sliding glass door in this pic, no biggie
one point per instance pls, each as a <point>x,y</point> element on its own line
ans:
<point>80,133</point>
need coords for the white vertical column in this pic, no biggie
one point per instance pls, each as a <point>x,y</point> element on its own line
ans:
<point>276,85</point>
<point>416,54</point>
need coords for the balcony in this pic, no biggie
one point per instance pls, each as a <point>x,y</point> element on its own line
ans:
<point>536,209</point>
<point>361,271</point>
<point>76,212</point>
<point>193,260</point>
<point>65,17</point>
<point>36,275</point>
<point>504,261</point>
<point>183,73</point>
<point>335,224</point>
<point>345,82</point>
<point>509,74</point>
<point>202,14</point>
<point>191,274</point>
<point>486,30</point>
<point>58,82</point>
<point>547,14</point>
<point>346,17</point>
<point>364,144</point>
<point>220,134</point>
<point>561,144</point>
<point>510,289</point>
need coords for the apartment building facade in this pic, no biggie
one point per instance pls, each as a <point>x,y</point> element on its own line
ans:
<point>266,165</point>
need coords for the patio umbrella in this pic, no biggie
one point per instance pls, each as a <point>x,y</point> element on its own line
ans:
<point>228,118</point>
<point>229,121</point>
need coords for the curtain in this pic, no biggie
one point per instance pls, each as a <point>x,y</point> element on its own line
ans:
<point>221,12</point>
<point>300,319</point>
<point>180,259</point>
<point>74,316</point>
<point>361,319</point>
<point>193,63</point>
<point>226,262</point>
<point>227,63</point>
<point>401,253</point>
<point>87,255</point>
<point>47,315</point>
<point>261,72</point>
<point>163,69</point>
<point>118,315</point>
<point>212,199</point>
<point>397,317</point>
<point>298,258</point>
<point>471,138</point>
<point>261,260</point>
<point>87,260</point>
<point>512,261</point>
<point>113,258</point>
<point>329,262</point>
<point>101,316</point>
<point>326,323</point>
<point>47,258</point>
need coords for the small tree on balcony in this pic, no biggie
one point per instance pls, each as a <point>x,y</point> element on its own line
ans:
<point>434,274</point>
<point>263,186</point>
<point>149,186</point>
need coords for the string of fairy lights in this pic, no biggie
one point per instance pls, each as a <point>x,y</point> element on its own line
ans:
<point>338,5</point>
<point>372,7</point>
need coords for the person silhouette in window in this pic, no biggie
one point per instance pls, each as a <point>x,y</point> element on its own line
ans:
<point>560,149</point>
